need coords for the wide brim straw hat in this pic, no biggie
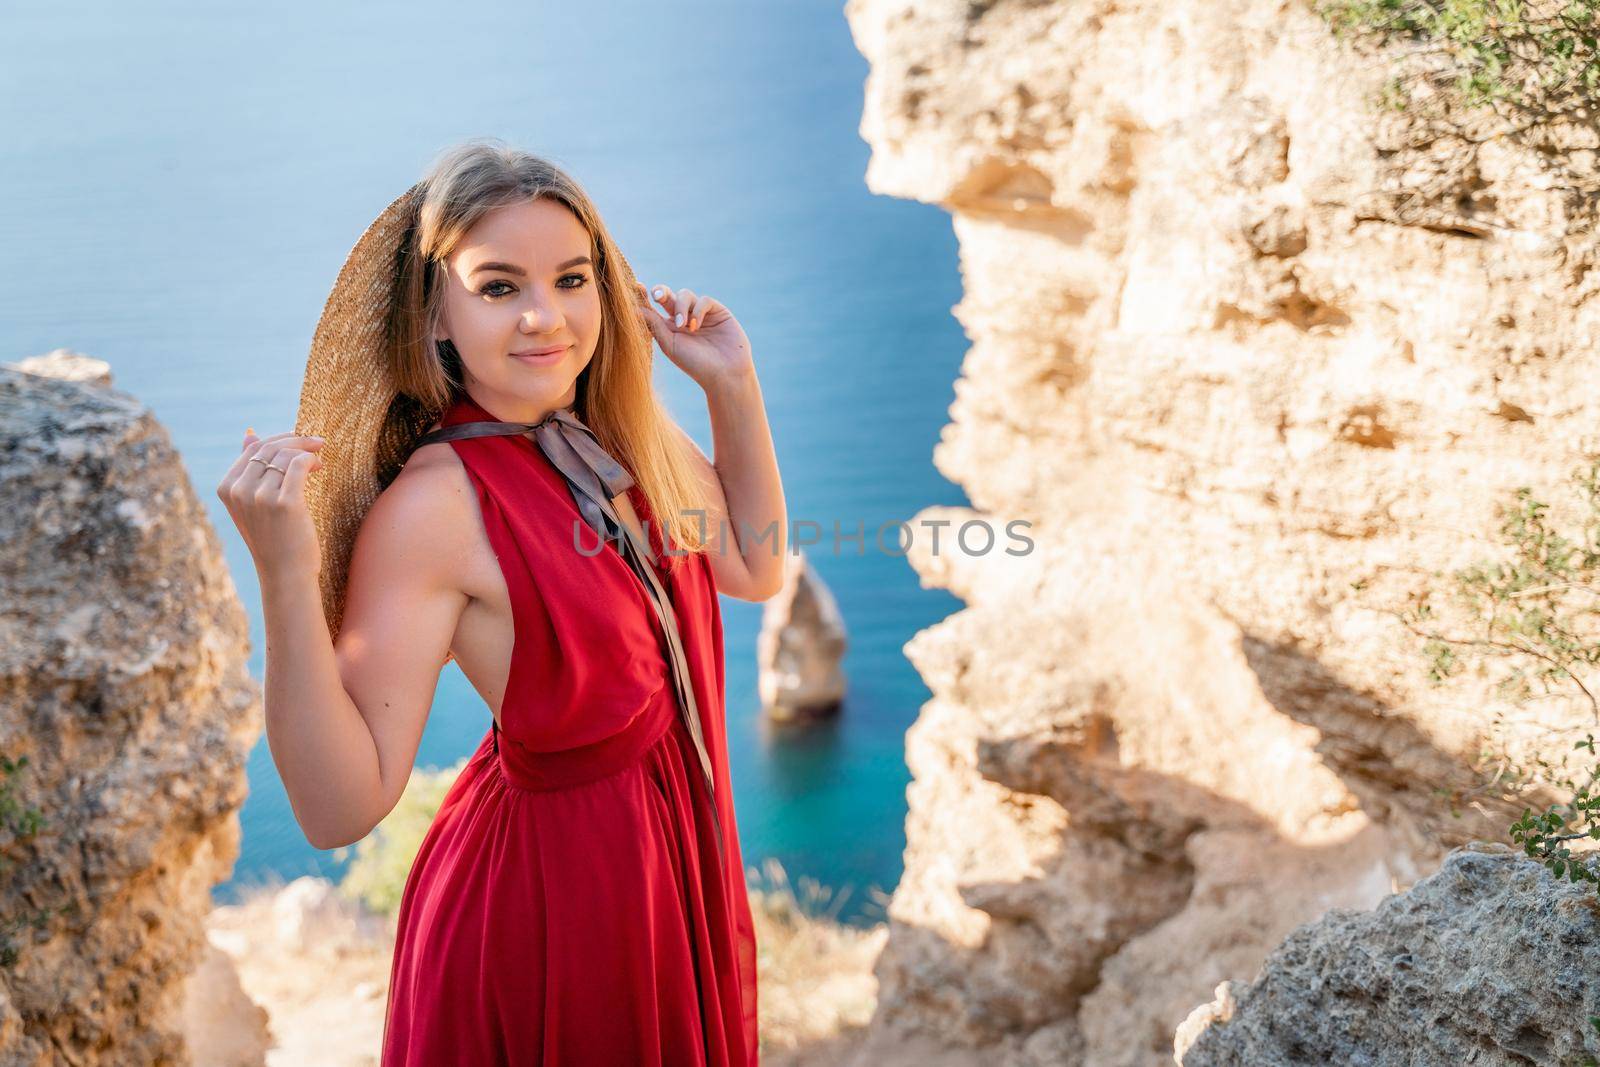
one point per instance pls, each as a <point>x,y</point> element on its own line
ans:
<point>349,397</point>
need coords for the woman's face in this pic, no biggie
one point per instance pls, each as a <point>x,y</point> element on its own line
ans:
<point>523,281</point>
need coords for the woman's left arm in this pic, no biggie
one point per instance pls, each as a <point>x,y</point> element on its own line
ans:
<point>747,469</point>
<point>748,513</point>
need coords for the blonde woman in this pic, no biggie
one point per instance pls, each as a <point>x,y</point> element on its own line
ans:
<point>482,470</point>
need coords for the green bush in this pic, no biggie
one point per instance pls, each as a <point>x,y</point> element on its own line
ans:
<point>1529,625</point>
<point>1520,58</point>
<point>19,822</point>
<point>383,858</point>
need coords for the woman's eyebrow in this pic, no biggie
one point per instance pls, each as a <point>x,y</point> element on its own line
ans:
<point>512,268</point>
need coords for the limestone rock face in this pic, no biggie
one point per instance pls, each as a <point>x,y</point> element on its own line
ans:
<point>222,1025</point>
<point>801,646</point>
<point>1491,960</point>
<point>1248,387</point>
<point>123,681</point>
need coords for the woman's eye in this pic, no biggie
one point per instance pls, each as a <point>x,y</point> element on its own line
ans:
<point>581,281</point>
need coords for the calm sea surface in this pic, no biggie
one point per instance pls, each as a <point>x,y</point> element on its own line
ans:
<point>182,183</point>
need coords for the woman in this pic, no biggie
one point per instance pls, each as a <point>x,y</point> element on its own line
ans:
<point>481,470</point>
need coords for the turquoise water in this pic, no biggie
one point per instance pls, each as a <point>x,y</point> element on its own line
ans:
<point>182,183</point>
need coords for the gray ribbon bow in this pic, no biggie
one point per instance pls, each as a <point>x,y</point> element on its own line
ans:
<point>595,478</point>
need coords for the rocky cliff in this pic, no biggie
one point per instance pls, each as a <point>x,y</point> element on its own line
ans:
<point>123,684</point>
<point>1253,356</point>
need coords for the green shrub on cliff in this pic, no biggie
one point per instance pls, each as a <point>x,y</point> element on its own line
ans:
<point>18,823</point>
<point>1518,57</point>
<point>1529,624</point>
<point>383,858</point>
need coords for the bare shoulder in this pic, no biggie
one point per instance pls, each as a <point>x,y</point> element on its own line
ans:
<point>434,466</point>
<point>427,515</point>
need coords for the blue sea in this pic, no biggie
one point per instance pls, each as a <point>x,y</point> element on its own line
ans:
<point>183,181</point>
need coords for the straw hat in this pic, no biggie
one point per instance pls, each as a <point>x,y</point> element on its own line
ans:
<point>349,397</point>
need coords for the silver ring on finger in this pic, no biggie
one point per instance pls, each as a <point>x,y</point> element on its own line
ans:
<point>271,466</point>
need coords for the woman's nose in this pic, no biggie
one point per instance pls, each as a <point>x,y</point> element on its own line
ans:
<point>535,318</point>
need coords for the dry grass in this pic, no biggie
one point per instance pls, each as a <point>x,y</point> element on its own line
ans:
<point>815,973</point>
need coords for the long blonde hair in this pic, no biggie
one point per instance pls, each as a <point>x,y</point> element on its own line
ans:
<point>615,396</point>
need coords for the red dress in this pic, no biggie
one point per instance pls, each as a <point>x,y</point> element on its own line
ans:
<point>567,906</point>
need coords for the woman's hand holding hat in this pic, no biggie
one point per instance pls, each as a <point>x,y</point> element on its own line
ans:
<point>264,491</point>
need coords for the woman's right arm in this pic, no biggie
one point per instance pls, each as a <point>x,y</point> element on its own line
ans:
<point>344,724</point>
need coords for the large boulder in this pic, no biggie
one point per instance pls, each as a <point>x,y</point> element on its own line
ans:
<point>123,683</point>
<point>1491,961</point>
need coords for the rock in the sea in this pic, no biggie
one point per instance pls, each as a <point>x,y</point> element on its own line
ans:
<point>801,646</point>
<point>1491,961</point>
<point>123,681</point>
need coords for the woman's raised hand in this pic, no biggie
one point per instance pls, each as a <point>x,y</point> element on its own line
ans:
<point>697,333</point>
<point>264,491</point>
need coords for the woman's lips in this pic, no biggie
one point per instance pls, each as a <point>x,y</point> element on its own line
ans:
<point>538,356</point>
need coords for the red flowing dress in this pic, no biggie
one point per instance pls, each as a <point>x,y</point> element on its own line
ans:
<point>568,905</point>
